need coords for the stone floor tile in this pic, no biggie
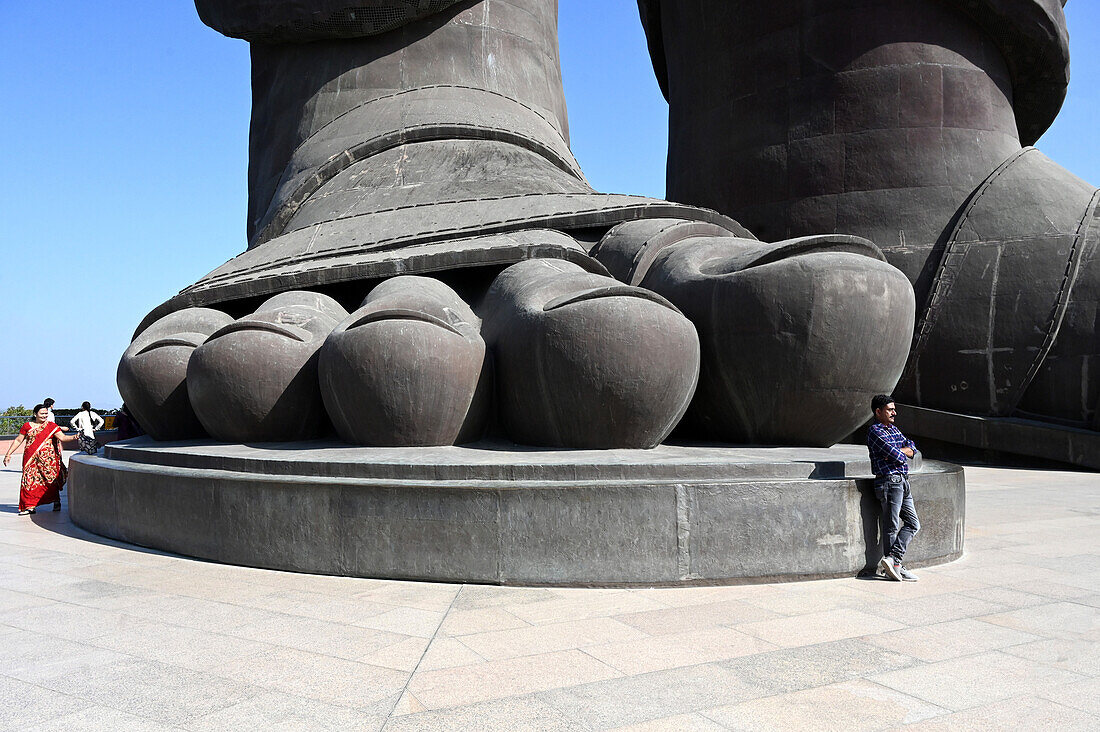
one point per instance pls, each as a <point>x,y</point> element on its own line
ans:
<point>407,704</point>
<point>1083,695</point>
<point>1050,590</point>
<point>286,712</point>
<point>930,609</point>
<point>429,596</point>
<point>678,723</point>
<point>273,580</point>
<point>318,605</point>
<point>1058,549</point>
<point>812,628</point>
<point>977,541</point>
<point>532,640</point>
<point>59,587</point>
<point>1020,713</point>
<point>952,639</point>
<point>932,582</point>
<point>165,693</point>
<point>1060,620</point>
<point>465,685</point>
<point>972,681</point>
<point>474,597</point>
<point>1006,597</point>
<point>447,653</point>
<point>1086,578</point>
<point>63,620</point>
<point>695,617</point>
<point>1080,657</point>
<point>99,718</point>
<point>845,594</point>
<point>48,560</point>
<point>323,678</point>
<point>95,592</point>
<point>190,648</point>
<point>581,605</point>
<point>852,705</point>
<point>506,715</point>
<point>479,620</point>
<point>405,621</point>
<point>684,596</point>
<point>27,704</point>
<point>193,612</point>
<point>792,669</point>
<point>648,654</point>
<point>34,658</point>
<point>1090,600</point>
<point>126,574</point>
<point>401,656</point>
<point>635,699</point>
<point>12,600</point>
<point>217,589</point>
<point>317,636</point>
<point>1010,574</point>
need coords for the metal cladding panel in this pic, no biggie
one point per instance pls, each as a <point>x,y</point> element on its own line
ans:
<point>1002,286</point>
<point>1031,35</point>
<point>282,21</point>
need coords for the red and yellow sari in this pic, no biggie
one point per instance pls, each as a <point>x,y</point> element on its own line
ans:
<point>43,471</point>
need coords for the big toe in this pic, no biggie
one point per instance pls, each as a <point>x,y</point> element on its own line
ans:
<point>795,336</point>
<point>404,369</point>
<point>585,361</point>
<point>255,379</point>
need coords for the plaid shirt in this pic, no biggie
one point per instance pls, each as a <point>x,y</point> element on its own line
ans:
<point>884,443</point>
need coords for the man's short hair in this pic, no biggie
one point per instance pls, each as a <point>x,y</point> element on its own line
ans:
<point>878,401</point>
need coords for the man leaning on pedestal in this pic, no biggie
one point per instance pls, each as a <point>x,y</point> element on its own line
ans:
<point>890,453</point>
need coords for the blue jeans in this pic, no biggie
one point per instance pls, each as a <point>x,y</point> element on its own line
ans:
<point>899,516</point>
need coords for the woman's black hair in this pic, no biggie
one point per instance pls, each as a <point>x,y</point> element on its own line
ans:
<point>38,408</point>
<point>86,406</point>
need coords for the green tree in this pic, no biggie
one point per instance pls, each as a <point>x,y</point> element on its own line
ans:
<point>16,418</point>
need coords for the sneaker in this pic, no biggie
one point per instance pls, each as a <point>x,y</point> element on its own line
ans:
<point>26,511</point>
<point>889,565</point>
<point>906,575</point>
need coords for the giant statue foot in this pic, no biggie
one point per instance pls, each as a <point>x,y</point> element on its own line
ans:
<point>906,122</point>
<point>440,204</point>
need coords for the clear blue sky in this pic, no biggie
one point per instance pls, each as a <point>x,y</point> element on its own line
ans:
<point>125,133</point>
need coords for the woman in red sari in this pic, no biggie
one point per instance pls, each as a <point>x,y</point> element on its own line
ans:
<point>43,471</point>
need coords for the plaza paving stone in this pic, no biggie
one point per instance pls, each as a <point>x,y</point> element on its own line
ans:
<point>100,635</point>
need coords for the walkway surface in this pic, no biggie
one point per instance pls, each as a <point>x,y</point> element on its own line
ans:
<point>99,635</point>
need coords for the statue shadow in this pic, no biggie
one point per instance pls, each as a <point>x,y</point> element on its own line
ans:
<point>870,513</point>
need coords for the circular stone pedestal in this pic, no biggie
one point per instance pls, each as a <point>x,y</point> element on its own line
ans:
<point>501,513</point>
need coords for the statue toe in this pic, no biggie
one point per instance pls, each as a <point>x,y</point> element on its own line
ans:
<point>255,379</point>
<point>796,336</point>
<point>152,374</point>
<point>405,368</point>
<point>585,361</point>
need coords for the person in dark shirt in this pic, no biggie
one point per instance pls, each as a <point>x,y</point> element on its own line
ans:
<point>890,453</point>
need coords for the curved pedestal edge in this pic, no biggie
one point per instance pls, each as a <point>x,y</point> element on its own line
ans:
<point>567,532</point>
